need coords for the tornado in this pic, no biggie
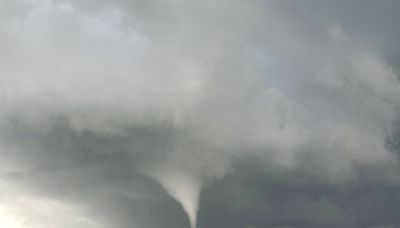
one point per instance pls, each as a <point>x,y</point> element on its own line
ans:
<point>184,187</point>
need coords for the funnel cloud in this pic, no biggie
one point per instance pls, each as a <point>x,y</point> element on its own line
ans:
<point>200,114</point>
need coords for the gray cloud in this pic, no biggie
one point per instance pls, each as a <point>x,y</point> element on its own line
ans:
<point>253,114</point>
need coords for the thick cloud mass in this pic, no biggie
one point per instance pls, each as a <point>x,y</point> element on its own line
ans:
<point>173,113</point>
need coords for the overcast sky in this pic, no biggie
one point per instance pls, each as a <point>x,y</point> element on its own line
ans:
<point>199,114</point>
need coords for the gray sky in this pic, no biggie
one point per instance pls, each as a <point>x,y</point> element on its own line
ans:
<point>180,113</point>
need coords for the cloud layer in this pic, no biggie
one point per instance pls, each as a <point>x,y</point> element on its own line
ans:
<point>123,113</point>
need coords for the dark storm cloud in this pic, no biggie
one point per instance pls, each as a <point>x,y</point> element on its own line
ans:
<point>253,114</point>
<point>244,201</point>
